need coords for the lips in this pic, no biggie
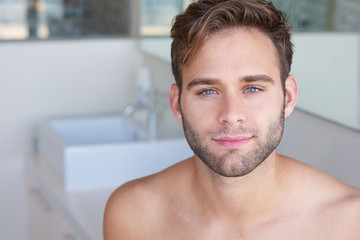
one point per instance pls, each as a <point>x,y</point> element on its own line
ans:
<point>232,141</point>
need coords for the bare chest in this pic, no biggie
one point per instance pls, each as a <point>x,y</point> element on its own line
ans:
<point>292,228</point>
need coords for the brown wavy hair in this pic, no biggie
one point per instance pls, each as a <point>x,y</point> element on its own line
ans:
<point>205,17</point>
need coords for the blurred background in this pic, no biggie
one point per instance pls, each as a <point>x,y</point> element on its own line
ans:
<point>71,19</point>
<point>70,58</point>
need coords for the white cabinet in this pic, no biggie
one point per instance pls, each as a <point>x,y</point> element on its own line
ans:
<point>44,221</point>
<point>54,213</point>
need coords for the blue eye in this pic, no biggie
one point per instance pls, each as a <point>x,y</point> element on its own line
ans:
<point>251,90</point>
<point>208,92</point>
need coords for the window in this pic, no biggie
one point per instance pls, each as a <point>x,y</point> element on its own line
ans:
<point>63,19</point>
<point>157,15</point>
<point>49,19</point>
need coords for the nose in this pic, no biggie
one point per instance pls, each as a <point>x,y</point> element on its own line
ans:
<point>232,110</point>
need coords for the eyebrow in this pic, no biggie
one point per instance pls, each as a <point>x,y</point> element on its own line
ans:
<point>202,81</point>
<point>256,78</point>
<point>247,79</point>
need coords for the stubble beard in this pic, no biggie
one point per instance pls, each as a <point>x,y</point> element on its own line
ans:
<point>235,162</point>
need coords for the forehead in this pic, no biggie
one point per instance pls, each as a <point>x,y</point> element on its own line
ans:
<point>239,51</point>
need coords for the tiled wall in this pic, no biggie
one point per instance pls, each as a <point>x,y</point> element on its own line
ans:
<point>347,15</point>
<point>306,15</point>
<point>322,15</point>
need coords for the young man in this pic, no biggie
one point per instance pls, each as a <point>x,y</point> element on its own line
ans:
<point>231,62</point>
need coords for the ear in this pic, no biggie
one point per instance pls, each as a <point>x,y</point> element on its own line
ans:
<point>291,91</point>
<point>174,102</point>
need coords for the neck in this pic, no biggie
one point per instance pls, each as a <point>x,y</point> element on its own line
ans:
<point>246,198</point>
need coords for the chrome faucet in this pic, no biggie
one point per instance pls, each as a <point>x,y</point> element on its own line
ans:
<point>151,117</point>
<point>145,101</point>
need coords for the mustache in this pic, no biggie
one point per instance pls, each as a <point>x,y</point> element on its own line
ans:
<point>237,131</point>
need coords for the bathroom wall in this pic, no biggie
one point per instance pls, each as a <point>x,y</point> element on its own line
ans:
<point>60,78</point>
<point>326,66</point>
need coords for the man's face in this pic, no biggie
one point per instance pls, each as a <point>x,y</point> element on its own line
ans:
<point>232,104</point>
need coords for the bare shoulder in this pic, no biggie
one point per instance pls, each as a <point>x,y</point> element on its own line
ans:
<point>139,207</point>
<point>334,205</point>
<point>343,206</point>
<point>124,207</point>
<point>339,211</point>
<point>322,186</point>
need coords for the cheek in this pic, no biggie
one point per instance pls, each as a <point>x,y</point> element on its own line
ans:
<point>265,112</point>
<point>199,115</point>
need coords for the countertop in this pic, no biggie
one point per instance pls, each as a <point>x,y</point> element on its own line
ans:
<point>36,206</point>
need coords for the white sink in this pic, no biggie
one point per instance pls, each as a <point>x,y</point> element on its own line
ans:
<point>104,152</point>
